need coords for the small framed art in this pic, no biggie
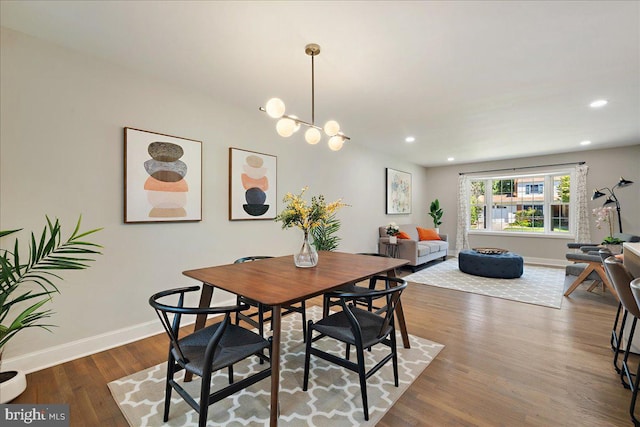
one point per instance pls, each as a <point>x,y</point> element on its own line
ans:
<point>162,177</point>
<point>398,192</point>
<point>252,185</point>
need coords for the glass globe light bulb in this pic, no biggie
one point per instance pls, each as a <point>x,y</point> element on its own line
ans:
<point>336,143</point>
<point>331,128</point>
<point>296,124</point>
<point>275,108</point>
<point>312,136</point>
<point>285,127</point>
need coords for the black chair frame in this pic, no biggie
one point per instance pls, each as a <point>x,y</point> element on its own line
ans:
<point>207,360</point>
<point>635,289</point>
<point>621,279</point>
<point>351,316</point>
<point>262,309</point>
<point>327,303</point>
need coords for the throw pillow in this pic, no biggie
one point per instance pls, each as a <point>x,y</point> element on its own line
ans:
<point>403,235</point>
<point>427,234</point>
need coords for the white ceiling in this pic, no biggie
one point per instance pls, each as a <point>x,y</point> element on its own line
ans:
<point>476,81</point>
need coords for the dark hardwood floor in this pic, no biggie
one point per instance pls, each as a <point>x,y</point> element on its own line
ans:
<point>504,364</point>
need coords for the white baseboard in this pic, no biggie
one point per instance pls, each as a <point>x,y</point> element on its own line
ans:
<point>546,261</point>
<point>52,356</point>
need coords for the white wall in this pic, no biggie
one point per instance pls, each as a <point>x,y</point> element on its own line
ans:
<point>61,154</point>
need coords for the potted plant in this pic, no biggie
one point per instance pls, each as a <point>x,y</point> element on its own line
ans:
<point>604,215</point>
<point>307,217</point>
<point>436,213</point>
<point>392,231</point>
<point>324,238</point>
<point>26,285</point>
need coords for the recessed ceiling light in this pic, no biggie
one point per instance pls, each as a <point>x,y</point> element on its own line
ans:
<point>410,139</point>
<point>450,159</point>
<point>598,103</point>
<point>585,142</point>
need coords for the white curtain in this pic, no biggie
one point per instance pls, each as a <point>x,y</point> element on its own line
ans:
<point>581,214</point>
<point>464,201</point>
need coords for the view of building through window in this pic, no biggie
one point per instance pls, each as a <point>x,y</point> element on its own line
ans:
<point>531,204</point>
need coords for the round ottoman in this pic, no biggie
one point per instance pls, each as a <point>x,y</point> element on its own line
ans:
<point>504,266</point>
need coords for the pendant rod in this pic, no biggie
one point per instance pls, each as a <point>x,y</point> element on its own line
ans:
<point>313,100</point>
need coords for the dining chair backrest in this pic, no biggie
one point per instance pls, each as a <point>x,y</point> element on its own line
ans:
<point>390,292</point>
<point>172,327</point>
<point>621,280</point>
<point>604,254</point>
<point>635,289</point>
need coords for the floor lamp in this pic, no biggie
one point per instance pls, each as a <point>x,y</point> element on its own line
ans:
<point>611,198</point>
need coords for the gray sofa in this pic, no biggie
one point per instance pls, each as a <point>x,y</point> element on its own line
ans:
<point>417,252</point>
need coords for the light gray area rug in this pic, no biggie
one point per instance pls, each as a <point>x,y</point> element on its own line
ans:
<point>333,398</point>
<point>538,285</point>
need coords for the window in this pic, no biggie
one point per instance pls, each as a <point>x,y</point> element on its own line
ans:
<point>537,204</point>
<point>534,188</point>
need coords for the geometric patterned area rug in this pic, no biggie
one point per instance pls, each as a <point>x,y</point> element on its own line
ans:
<point>537,285</point>
<point>333,398</point>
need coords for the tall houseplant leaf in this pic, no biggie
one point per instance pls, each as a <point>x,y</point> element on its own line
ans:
<point>47,256</point>
<point>324,238</point>
<point>436,213</point>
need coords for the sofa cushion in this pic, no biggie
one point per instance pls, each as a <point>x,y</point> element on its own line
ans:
<point>427,234</point>
<point>426,247</point>
<point>410,230</point>
<point>403,235</point>
<point>423,250</point>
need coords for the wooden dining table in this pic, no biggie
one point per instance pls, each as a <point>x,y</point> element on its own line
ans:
<point>277,282</point>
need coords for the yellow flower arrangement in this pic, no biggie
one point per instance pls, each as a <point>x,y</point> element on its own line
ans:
<point>298,213</point>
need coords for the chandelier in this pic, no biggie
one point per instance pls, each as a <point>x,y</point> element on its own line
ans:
<point>289,124</point>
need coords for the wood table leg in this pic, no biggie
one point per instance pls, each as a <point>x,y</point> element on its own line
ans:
<point>276,316</point>
<point>201,319</point>
<point>400,316</point>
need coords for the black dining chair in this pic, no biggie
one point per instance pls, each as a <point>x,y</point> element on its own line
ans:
<point>621,280</point>
<point>261,309</point>
<point>327,301</point>
<point>620,319</point>
<point>635,290</point>
<point>215,347</point>
<point>361,329</point>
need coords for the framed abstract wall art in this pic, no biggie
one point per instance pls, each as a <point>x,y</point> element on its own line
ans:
<point>398,192</point>
<point>252,185</point>
<point>162,177</point>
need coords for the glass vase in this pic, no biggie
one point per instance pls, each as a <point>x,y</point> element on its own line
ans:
<point>307,256</point>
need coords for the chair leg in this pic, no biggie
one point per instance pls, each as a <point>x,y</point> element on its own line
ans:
<point>168,388</point>
<point>307,356</point>
<point>634,396</point>
<point>325,306</point>
<point>261,320</point>
<point>205,389</point>
<point>304,320</point>
<point>588,269</point>
<point>617,338</point>
<point>626,372</point>
<point>363,381</point>
<point>615,327</point>
<point>394,360</point>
